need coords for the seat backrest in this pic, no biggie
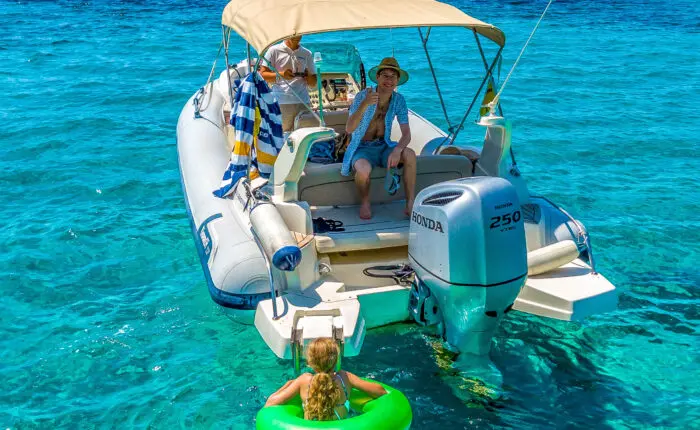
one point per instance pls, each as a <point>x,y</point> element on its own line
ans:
<point>335,119</point>
<point>495,146</point>
<point>323,185</point>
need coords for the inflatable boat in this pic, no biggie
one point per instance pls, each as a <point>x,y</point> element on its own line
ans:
<point>291,254</point>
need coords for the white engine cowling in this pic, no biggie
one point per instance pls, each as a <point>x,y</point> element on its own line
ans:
<point>467,247</point>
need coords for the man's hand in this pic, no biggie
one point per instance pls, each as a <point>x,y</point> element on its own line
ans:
<point>372,97</point>
<point>288,74</point>
<point>394,158</point>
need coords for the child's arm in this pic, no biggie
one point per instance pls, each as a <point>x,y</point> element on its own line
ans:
<point>288,391</point>
<point>374,389</point>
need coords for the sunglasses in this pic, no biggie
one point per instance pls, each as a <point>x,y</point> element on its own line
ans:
<point>392,181</point>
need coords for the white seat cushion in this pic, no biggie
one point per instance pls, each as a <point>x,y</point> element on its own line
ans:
<point>323,185</point>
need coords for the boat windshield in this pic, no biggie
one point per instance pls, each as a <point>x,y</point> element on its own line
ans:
<point>338,58</point>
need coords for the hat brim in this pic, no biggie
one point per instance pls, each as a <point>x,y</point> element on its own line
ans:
<point>403,75</point>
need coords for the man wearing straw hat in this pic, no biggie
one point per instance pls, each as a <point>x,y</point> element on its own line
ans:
<point>370,118</point>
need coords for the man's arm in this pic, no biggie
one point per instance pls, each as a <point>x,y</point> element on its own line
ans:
<point>405,136</point>
<point>311,80</point>
<point>310,76</point>
<point>265,71</point>
<point>268,74</point>
<point>395,156</point>
<point>271,77</point>
<point>402,117</point>
<point>358,108</point>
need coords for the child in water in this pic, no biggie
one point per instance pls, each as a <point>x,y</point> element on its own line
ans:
<point>325,394</point>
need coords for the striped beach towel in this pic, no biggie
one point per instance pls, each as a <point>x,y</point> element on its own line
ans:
<point>257,121</point>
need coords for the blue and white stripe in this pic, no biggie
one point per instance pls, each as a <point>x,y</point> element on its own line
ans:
<point>262,143</point>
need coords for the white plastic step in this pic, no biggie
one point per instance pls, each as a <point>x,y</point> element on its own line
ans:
<point>357,308</point>
<point>277,333</point>
<point>569,293</point>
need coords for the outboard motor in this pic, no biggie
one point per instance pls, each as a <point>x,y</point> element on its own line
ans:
<point>467,247</point>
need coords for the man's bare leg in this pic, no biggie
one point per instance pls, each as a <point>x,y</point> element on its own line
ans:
<point>408,158</point>
<point>362,171</point>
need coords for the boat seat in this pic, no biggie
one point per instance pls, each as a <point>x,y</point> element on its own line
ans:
<point>335,119</point>
<point>323,185</point>
<point>388,228</point>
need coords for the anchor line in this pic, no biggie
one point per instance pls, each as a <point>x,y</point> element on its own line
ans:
<point>494,102</point>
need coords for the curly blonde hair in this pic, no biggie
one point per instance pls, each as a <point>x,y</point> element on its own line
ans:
<point>324,394</point>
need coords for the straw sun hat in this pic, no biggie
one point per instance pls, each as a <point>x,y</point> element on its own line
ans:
<point>388,63</point>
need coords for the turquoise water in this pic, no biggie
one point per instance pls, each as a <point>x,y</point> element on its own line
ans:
<point>106,320</point>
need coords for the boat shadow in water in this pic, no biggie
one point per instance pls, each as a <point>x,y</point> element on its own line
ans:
<point>546,375</point>
<point>554,376</point>
<point>415,362</point>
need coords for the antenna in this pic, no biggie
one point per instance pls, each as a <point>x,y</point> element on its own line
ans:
<point>318,60</point>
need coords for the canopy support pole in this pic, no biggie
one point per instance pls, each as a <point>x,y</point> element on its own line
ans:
<point>225,36</point>
<point>230,92</point>
<point>493,83</point>
<point>252,147</point>
<point>424,41</point>
<point>486,66</point>
<point>247,49</point>
<point>471,105</point>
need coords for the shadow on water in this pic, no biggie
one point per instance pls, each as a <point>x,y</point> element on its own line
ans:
<point>554,376</point>
<point>540,372</point>
<point>416,363</point>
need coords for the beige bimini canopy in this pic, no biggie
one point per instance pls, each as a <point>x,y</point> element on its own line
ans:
<point>264,22</point>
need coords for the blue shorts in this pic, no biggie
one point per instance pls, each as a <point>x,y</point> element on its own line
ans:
<point>375,151</point>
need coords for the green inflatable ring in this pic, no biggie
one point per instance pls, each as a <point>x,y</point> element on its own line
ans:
<point>388,412</point>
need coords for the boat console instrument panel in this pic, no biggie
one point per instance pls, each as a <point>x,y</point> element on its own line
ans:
<point>338,91</point>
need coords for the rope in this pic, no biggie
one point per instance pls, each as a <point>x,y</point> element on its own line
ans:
<point>494,102</point>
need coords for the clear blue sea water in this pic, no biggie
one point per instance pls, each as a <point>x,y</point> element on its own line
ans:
<point>106,320</point>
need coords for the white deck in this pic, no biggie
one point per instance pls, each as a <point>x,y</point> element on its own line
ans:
<point>388,228</point>
<point>360,309</point>
<point>568,293</point>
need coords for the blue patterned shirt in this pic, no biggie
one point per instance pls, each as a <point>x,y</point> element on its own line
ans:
<point>397,108</point>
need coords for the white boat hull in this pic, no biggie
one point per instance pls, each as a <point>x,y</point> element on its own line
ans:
<point>233,266</point>
<point>340,303</point>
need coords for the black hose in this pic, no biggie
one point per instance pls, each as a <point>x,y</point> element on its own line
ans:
<point>401,273</point>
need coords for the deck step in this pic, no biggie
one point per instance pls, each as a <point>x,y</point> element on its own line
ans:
<point>569,293</point>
